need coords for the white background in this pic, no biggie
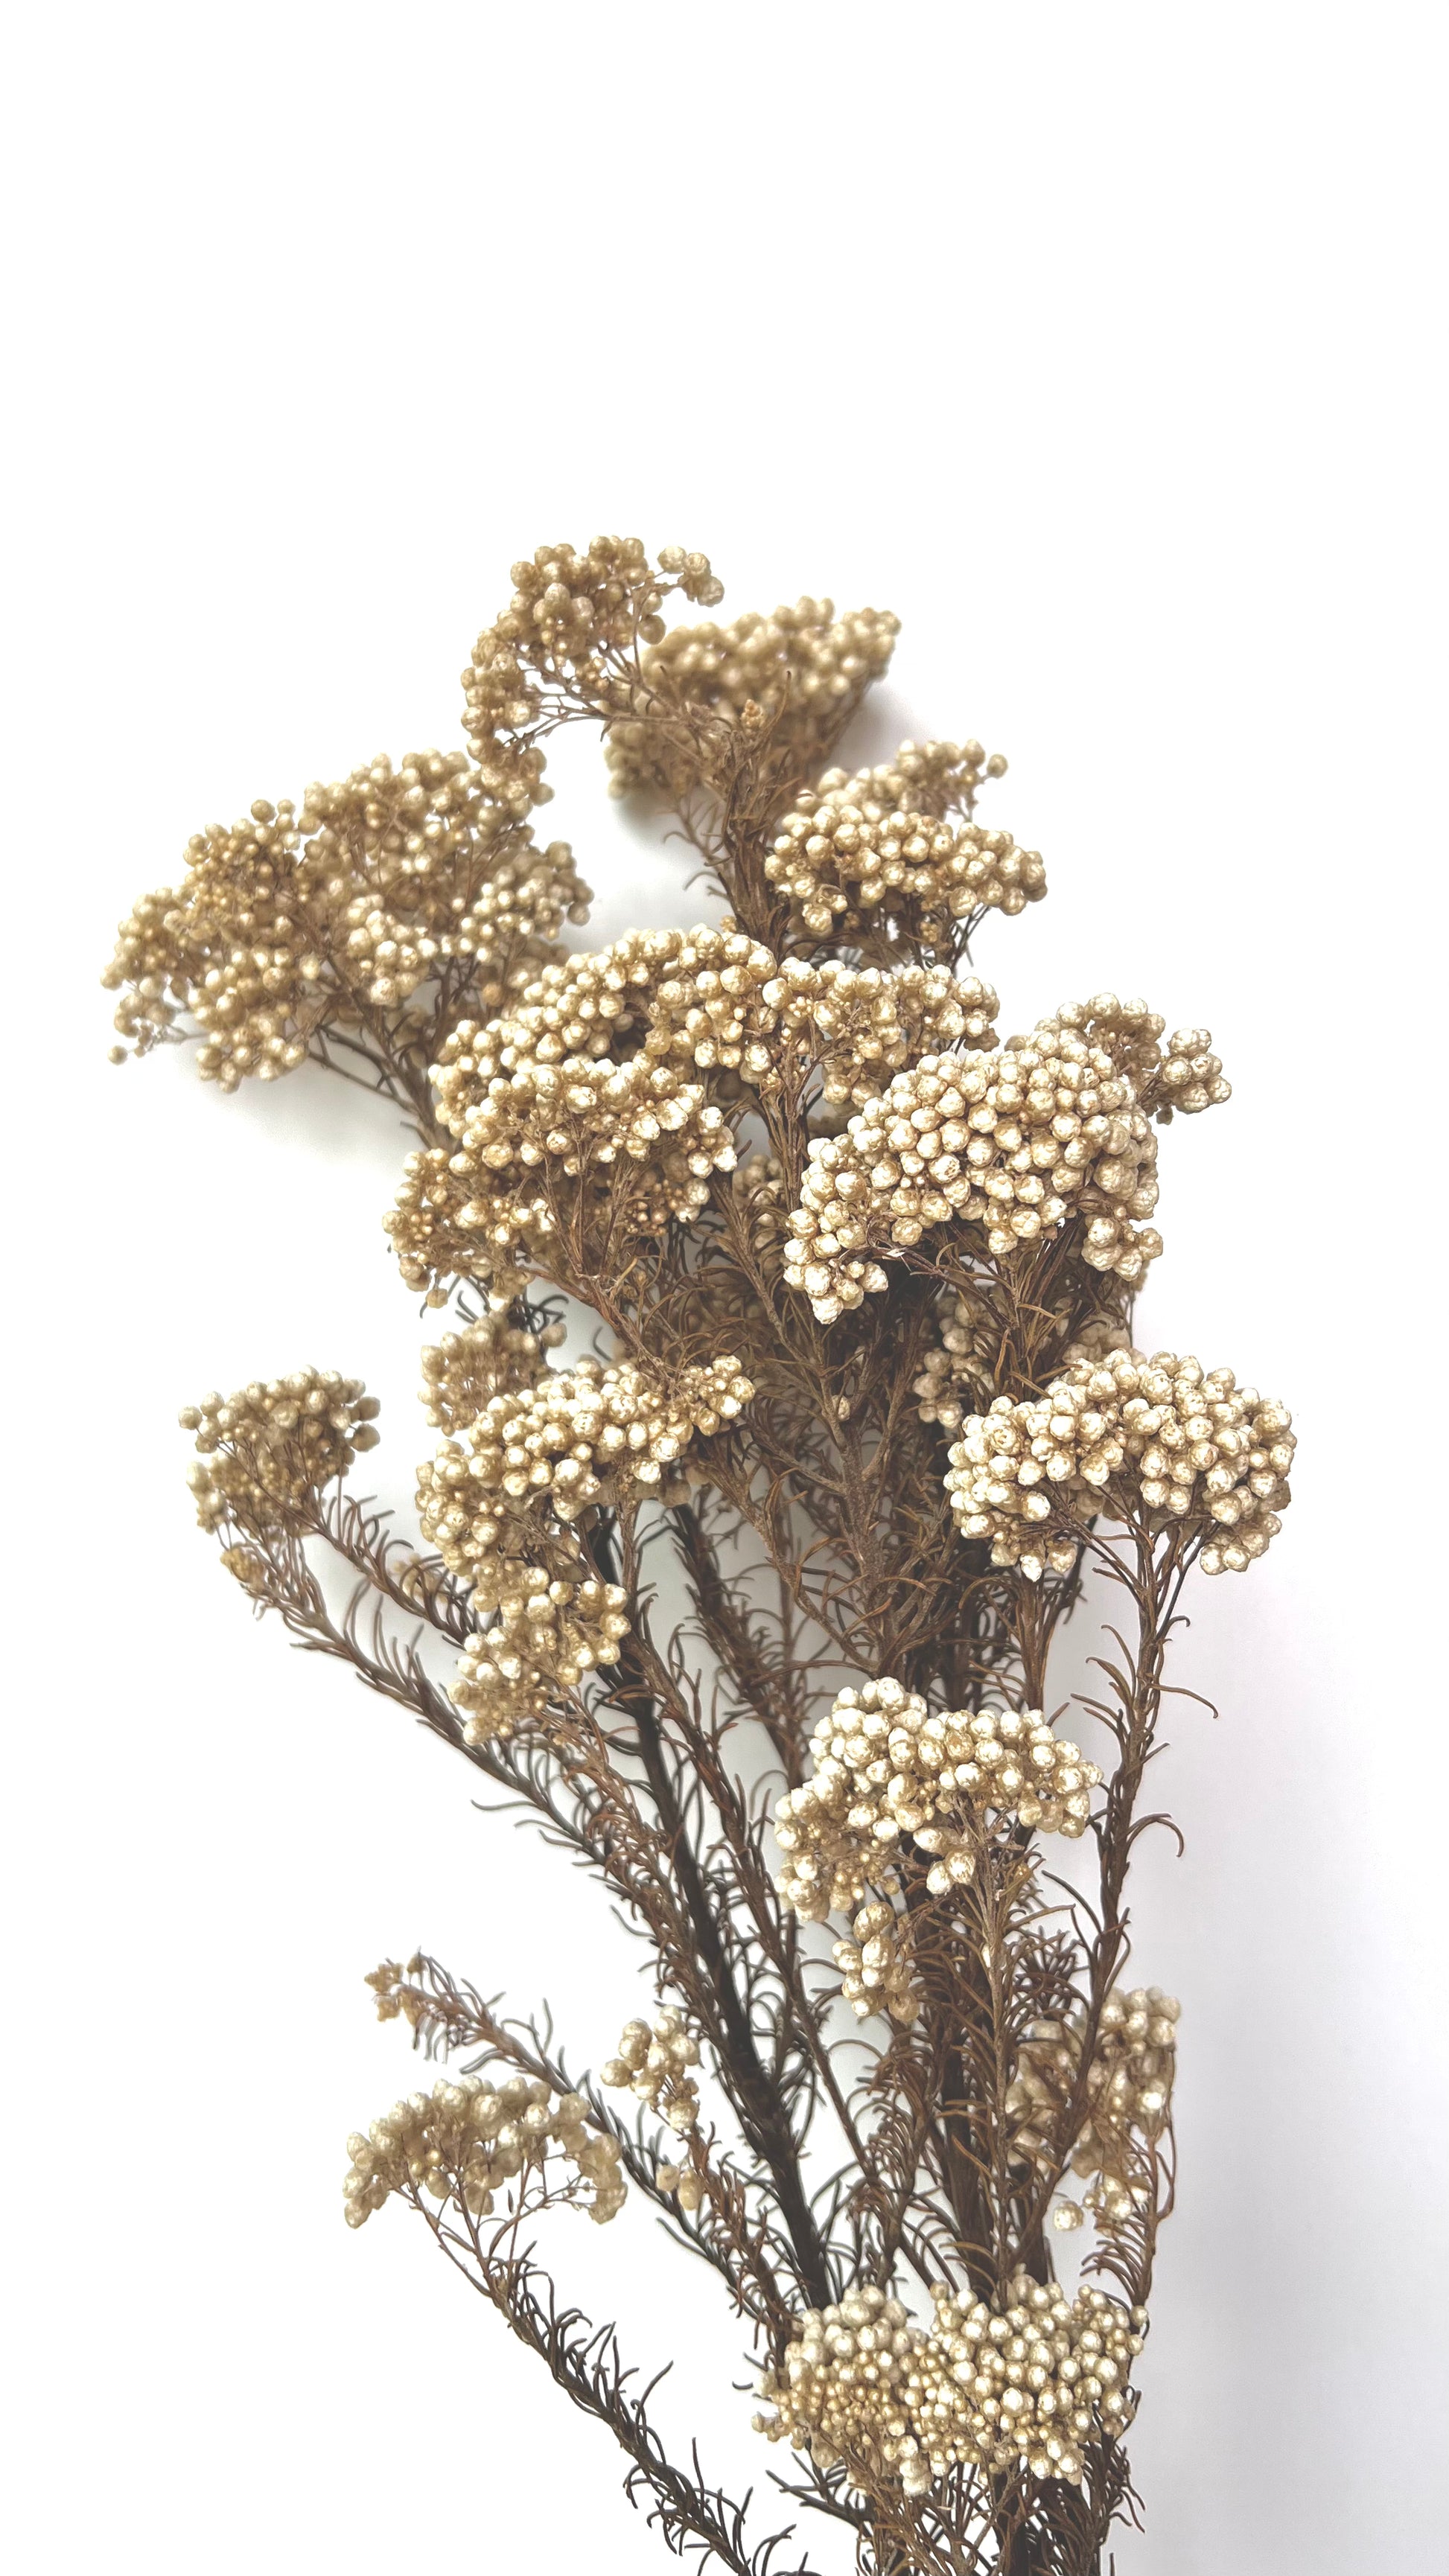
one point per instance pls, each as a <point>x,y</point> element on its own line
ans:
<point>1104,345</point>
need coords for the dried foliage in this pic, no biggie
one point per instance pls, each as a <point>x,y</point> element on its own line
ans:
<point>863,1398</point>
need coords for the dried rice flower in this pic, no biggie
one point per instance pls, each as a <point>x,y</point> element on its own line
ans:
<point>885,1770</point>
<point>470,2140</point>
<point>1031,2385</point>
<point>266,1452</point>
<point>1126,1435</point>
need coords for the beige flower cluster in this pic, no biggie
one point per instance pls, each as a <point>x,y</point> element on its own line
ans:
<point>463,1370</point>
<point>861,1024</point>
<point>885,1769</point>
<point>1176,1075</point>
<point>551,1621</point>
<point>1126,1433</point>
<point>1129,2093</point>
<point>654,2066</point>
<point>875,1967</point>
<point>859,851</point>
<point>473,2139</point>
<point>1016,1141</point>
<point>600,1075</point>
<point>572,1437</point>
<point>569,632</point>
<point>265,1453</point>
<point>803,670</point>
<point>958,1374</point>
<point>286,922</point>
<point>896,2403</point>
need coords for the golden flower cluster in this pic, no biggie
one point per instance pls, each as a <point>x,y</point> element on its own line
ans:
<point>861,1024</point>
<point>599,1077</point>
<point>265,1453</point>
<point>572,1437</point>
<point>1016,1141</point>
<point>1128,1434</point>
<point>1129,2094</point>
<point>885,1769</point>
<point>464,1369</point>
<point>801,672</point>
<point>472,2139</point>
<point>896,2403</point>
<point>570,632</point>
<point>551,1620</point>
<point>875,1967</point>
<point>859,851</point>
<point>286,923</point>
<point>654,2066</point>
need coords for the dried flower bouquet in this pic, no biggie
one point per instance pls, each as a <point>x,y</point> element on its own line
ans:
<point>753,1603</point>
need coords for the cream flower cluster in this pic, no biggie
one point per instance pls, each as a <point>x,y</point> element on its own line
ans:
<point>899,2404</point>
<point>1125,1433</point>
<point>550,1623</point>
<point>472,2140</point>
<point>1016,1142</point>
<point>861,1024</point>
<point>600,1074</point>
<point>1129,2093</point>
<point>803,669</point>
<point>654,2066</point>
<point>464,1369</point>
<point>265,1453</point>
<point>860,850</point>
<point>875,1967</point>
<point>287,922</point>
<point>958,1375</point>
<point>569,624</point>
<point>885,1769</point>
<point>572,1437</point>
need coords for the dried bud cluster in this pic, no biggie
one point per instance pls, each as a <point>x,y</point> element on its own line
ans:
<point>1017,1142</point>
<point>875,1965</point>
<point>471,2140</point>
<point>286,922</point>
<point>895,2403</point>
<point>574,1436</point>
<point>550,1622</point>
<point>876,847</point>
<point>599,1078</point>
<point>1128,1434</point>
<point>801,673</point>
<point>569,632</point>
<point>1129,2095</point>
<point>654,2066</point>
<point>464,1369</point>
<point>886,1769</point>
<point>265,1453</point>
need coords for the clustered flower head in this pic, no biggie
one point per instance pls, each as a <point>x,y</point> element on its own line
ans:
<point>1129,2095</point>
<point>958,1374</point>
<point>1128,1434</point>
<point>859,851</point>
<point>572,1437</point>
<point>464,1369</point>
<point>603,1075</point>
<point>894,2403</point>
<point>800,673</point>
<point>471,2140</point>
<point>1018,1141</point>
<point>886,1770</point>
<point>549,1623</point>
<point>265,1453</point>
<point>287,922</point>
<point>875,1965</point>
<point>654,2066</point>
<point>569,631</point>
